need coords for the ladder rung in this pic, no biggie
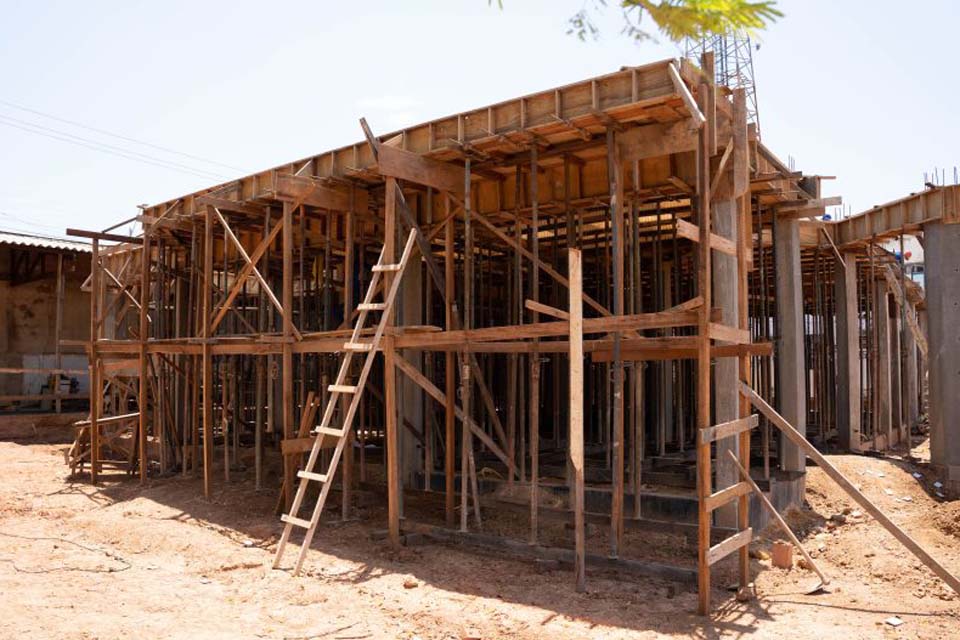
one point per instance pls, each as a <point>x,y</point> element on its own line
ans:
<point>358,346</point>
<point>372,306</point>
<point>300,522</point>
<point>310,475</point>
<point>341,388</point>
<point>327,431</point>
<point>385,267</point>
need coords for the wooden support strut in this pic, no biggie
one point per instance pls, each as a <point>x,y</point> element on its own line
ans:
<point>797,438</point>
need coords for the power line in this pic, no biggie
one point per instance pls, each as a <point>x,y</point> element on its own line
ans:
<point>119,136</point>
<point>7,214</point>
<point>106,148</point>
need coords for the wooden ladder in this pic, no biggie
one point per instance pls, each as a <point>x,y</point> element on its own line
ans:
<point>340,387</point>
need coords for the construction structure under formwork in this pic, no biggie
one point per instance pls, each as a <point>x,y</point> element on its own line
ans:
<point>552,299</point>
<point>872,343</point>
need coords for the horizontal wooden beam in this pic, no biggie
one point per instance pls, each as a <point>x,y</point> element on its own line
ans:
<point>607,324</point>
<point>716,500</point>
<point>231,205</point>
<point>718,243</point>
<point>99,235</point>
<point>727,333</point>
<point>413,167</point>
<point>311,191</point>
<point>721,550</point>
<point>727,429</point>
<point>639,352</point>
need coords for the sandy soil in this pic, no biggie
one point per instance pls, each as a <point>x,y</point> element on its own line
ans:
<point>159,561</point>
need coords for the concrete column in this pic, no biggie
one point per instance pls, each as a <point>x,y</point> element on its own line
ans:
<point>942,276</point>
<point>896,388</point>
<point>726,370</point>
<point>883,421</point>
<point>409,393</point>
<point>790,364</point>
<point>848,353</point>
<point>911,397</point>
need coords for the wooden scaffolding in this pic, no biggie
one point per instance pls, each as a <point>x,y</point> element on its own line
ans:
<point>580,292</point>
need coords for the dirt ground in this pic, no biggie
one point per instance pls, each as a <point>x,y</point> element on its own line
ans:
<point>159,561</point>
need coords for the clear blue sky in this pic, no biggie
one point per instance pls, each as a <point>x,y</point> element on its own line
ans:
<point>854,89</point>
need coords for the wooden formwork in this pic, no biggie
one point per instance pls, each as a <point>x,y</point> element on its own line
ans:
<point>223,325</point>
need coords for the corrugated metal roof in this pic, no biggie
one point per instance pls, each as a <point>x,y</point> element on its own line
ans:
<point>43,242</point>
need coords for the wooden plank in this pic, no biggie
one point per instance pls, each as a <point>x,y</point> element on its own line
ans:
<point>721,550</point>
<point>207,356</point>
<point>703,382</point>
<point>391,435</point>
<point>546,309</point>
<point>691,231</point>
<point>724,496</point>
<point>624,323</point>
<point>450,372</point>
<point>95,381</point>
<point>655,140</point>
<point>286,362</point>
<point>575,269</point>
<point>405,165</point>
<point>617,216</point>
<point>109,419</point>
<point>229,205</point>
<point>683,91</point>
<point>143,388</point>
<point>685,349</point>
<point>727,333</point>
<point>790,432</point>
<point>97,235</point>
<point>727,429</point>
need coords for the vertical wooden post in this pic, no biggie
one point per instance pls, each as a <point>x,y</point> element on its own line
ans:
<point>58,357</point>
<point>616,231</point>
<point>465,375</point>
<point>576,412</point>
<point>450,435</point>
<point>535,353</point>
<point>426,406</point>
<point>96,393</point>
<point>144,386</point>
<point>744,255</point>
<point>392,443</point>
<point>262,373</point>
<point>286,373</point>
<point>206,354</point>
<point>346,479</point>
<point>703,346</point>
